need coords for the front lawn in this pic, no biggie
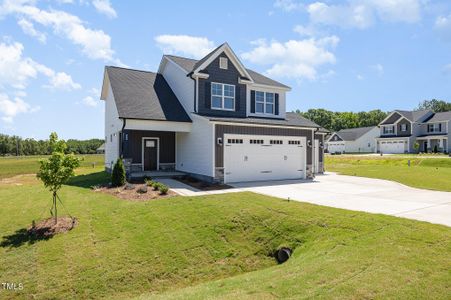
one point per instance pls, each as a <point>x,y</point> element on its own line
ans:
<point>215,246</point>
<point>425,172</point>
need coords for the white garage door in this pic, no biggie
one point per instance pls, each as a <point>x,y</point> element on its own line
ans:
<point>392,146</point>
<point>256,157</point>
<point>336,147</point>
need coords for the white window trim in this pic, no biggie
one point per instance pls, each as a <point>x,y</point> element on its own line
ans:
<point>386,127</point>
<point>223,96</point>
<point>435,127</point>
<point>404,127</point>
<point>264,103</point>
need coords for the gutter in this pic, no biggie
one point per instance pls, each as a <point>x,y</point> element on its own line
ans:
<point>190,75</point>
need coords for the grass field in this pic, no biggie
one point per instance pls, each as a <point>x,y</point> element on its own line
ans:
<point>12,165</point>
<point>426,172</point>
<point>216,246</point>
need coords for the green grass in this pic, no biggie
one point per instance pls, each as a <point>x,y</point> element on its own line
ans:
<point>425,172</point>
<point>215,246</point>
<point>12,165</point>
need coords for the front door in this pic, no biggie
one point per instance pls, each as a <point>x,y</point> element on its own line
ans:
<point>150,154</point>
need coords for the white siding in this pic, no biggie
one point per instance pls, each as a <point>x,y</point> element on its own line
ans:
<point>181,85</point>
<point>194,150</point>
<point>366,143</point>
<point>113,126</point>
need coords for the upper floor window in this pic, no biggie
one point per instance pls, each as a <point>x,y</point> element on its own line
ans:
<point>403,127</point>
<point>222,96</point>
<point>435,127</point>
<point>389,129</point>
<point>264,103</point>
<point>223,63</point>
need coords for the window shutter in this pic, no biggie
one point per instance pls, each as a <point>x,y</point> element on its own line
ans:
<point>440,127</point>
<point>207,94</point>
<point>237,98</point>
<point>253,102</point>
<point>276,104</point>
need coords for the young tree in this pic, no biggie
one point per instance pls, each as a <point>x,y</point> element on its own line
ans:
<point>57,169</point>
<point>416,146</point>
<point>118,175</point>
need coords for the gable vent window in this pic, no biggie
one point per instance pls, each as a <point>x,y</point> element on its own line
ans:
<point>235,141</point>
<point>404,127</point>
<point>222,96</point>
<point>264,103</point>
<point>223,63</point>
<point>276,142</point>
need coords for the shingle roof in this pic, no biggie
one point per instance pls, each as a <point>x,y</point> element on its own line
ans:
<point>413,116</point>
<point>189,65</point>
<point>292,119</point>
<point>353,134</point>
<point>144,95</point>
<point>440,117</point>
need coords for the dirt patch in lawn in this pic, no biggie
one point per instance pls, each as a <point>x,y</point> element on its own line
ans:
<point>202,185</point>
<point>134,192</point>
<point>19,180</point>
<point>48,228</point>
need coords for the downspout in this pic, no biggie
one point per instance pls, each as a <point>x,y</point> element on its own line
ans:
<point>314,133</point>
<point>121,153</point>
<point>195,89</point>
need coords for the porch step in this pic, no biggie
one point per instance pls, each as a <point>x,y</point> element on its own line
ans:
<point>154,174</point>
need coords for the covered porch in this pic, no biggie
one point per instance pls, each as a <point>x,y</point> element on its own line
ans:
<point>433,143</point>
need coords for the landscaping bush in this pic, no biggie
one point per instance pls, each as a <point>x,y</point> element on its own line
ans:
<point>149,182</point>
<point>118,175</point>
<point>156,185</point>
<point>163,189</point>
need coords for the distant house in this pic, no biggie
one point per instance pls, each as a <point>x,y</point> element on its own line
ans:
<point>211,118</point>
<point>353,140</point>
<point>101,149</point>
<point>401,130</point>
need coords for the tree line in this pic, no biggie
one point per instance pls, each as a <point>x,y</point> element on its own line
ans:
<point>15,145</point>
<point>335,121</point>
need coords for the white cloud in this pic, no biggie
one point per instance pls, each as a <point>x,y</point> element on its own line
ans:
<point>288,5</point>
<point>378,68</point>
<point>443,22</point>
<point>89,101</point>
<point>95,44</point>
<point>299,59</point>
<point>305,30</point>
<point>363,13</point>
<point>28,28</point>
<point>16,70</point>
<point>104,7</point>
<point>192,46</point>
<point>447,68</point>
<point>360,77</point>
<point>10,108</point>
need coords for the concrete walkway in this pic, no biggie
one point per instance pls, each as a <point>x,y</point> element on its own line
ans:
<point>363,194</point>
<point>186,190</point>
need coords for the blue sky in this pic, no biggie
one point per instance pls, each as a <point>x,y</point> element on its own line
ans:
<point>340,55</point>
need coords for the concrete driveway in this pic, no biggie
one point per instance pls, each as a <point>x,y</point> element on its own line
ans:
<point>363,194</point>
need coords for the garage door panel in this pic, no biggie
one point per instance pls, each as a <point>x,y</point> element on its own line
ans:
<point>393,146</point>
<point>252,162</point>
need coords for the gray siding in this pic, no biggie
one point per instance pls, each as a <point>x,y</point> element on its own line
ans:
<point>320,137</point>
<point>229,76</point>
<point>392,119</point>
<point>220,130</point>
<point>133,147</point>
<point>409,128</point>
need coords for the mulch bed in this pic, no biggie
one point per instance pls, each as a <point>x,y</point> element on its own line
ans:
<point>202,185</point>
<point>48,228</point>
<point>130,192</point>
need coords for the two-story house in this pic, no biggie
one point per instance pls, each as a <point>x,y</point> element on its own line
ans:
<point>211,118</point>
<point>401,130</point>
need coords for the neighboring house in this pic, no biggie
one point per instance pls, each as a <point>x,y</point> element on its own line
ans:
<point>401,130</point>
<point>211,118</point>
<point>353,140</point>
<point>101,149</point>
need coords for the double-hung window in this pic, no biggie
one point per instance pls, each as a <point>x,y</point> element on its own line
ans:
<point>435,127</point>
<point>264,103</point>
<point>222,96</point>
<point>389,129</point>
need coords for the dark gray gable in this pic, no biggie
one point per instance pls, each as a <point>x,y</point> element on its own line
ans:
<point>392,119</point>
<point>335,138</point>
<point>144,95</point>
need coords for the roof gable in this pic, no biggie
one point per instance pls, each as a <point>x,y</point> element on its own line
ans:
<point>353,134</point>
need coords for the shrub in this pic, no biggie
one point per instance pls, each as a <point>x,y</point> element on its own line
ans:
<point>149,182</point>
<point>163,189</point>
<point>118,175</point>
<point>156,185</point>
